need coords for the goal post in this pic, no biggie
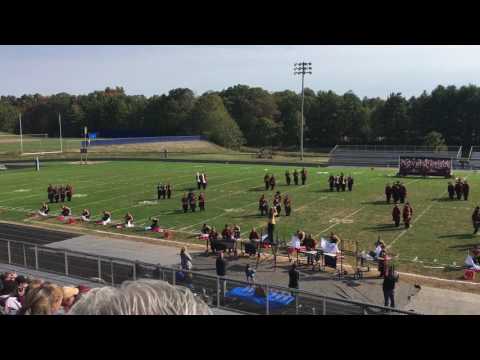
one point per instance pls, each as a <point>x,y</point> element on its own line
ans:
<point>40,143</point>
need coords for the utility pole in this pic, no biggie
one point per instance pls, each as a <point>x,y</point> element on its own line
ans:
<point>302,68</point>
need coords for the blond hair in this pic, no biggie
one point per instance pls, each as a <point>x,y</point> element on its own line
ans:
<point>42,300</point>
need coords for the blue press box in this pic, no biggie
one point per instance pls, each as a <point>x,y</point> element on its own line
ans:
<point>275,299</point>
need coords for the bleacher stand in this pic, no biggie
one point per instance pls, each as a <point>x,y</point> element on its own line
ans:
<point>474,158</point>
<point>385,155</point>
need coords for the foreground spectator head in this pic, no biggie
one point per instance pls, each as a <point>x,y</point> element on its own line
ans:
<point>43,300</point>
<point>69,296</point>
<point>142,297</point>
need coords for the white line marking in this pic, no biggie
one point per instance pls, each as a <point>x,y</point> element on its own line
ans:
<point>345,218</point>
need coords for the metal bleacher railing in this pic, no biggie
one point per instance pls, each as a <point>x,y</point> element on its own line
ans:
<point>398,149</point>
<point>213,289</point>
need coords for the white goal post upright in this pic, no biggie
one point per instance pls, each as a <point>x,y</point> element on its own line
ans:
<point>21,133</point>
<point>60,127</point>
<point>22,153</point>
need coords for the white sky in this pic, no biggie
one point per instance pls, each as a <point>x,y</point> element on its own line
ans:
<point>367,70</point>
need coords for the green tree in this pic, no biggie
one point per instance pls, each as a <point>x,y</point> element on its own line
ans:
<point>435,139</point>
<point>247,105</point>
<point>8,117</point>
<point>209,117</point>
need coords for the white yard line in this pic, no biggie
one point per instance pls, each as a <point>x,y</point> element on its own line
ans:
<point>345,218</point>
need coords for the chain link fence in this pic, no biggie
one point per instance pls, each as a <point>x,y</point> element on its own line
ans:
<point>236,295</point>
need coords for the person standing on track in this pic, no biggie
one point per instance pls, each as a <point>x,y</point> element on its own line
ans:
<point>203,179</point>
<point>389,281</point>
<point>169,191</point>
<point>293,277</point>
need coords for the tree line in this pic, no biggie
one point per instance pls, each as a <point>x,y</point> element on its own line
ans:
<point>243,115</point>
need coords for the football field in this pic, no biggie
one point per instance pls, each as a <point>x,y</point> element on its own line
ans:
<point>441,232</point>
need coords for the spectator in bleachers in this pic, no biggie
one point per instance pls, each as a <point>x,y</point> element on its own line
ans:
<point>142,297</point>
<point>43,300</point>
<point>69,296</point>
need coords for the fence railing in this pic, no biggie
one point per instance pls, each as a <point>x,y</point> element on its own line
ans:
<point>398,148</point>
<point>213,289</point>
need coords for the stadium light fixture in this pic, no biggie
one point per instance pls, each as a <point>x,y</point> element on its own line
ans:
<point>302,68</point>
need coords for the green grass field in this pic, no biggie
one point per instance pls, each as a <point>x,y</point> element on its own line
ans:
<point>441,232</point>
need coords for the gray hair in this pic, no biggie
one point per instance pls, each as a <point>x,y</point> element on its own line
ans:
<point>141,297</point>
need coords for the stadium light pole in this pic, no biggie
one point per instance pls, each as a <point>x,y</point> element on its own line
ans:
<point>302,68</point>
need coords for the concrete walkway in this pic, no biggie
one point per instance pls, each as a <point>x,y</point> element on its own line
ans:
<point>433,301</point>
